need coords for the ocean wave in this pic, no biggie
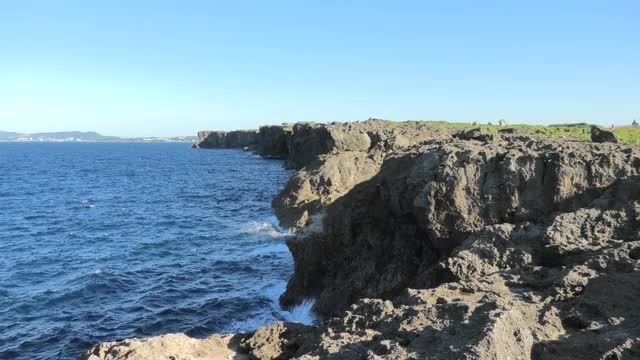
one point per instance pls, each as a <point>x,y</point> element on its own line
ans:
<point>273,312</point>
<point>302,313</point>
<point>270,228</point>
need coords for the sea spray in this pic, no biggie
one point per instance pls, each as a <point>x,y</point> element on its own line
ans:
<point>301,313</point>
<point>269,227</point>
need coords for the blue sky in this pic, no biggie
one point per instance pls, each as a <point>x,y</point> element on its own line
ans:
<point>143,68</point>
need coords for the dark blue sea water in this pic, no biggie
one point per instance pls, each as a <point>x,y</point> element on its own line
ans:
<point>100,242</point>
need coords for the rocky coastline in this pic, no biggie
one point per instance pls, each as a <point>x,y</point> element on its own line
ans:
<point>423,242</point>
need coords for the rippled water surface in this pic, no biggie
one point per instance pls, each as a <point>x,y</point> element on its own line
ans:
<point>100,242</point>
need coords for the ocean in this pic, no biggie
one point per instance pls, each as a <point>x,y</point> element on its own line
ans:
<point>105,241</point>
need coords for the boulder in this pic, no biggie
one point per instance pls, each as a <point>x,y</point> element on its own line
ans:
<point>479,134</point>
<point>599,135</point>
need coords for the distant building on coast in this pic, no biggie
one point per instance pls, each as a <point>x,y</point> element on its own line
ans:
<point>503,122</point>
<point>634,123</point>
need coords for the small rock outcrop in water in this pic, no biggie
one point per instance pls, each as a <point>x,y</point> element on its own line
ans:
<point>602,136</point>
<point>419,245</point>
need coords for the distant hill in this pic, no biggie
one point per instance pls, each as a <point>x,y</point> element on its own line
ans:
<point>8,136</point>
<point>79,135</point>
<point>88,136</point>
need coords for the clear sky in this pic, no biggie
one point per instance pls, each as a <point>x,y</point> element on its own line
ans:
<point>144,68</point>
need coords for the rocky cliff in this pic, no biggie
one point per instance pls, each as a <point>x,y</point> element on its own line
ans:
<point>273,141</point>
<point>417,244</point>
<point>270,141</point>
<point>425,201</point>
<point>334,158</point>
<point>479,246</point>
<point>226,140</point>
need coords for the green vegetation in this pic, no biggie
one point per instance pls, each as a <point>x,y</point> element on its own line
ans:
<point>574,131</point>
<point>579,131</point>
<point>628,134</point>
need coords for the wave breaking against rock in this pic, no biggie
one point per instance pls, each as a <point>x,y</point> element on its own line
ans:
<point>414,241</point>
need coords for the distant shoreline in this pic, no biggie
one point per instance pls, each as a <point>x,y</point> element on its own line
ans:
<point>97,141</point>
<point>85,136</point>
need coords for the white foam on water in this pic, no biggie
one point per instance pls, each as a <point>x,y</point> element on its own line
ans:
<point>269,227</point>
<point>250,324</point>
<point>301,313</point>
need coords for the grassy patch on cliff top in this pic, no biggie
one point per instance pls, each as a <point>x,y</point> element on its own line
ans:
<point>579,131</point>
<point>628,134</point>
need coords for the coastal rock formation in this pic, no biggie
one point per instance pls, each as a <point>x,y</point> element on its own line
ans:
<point>273,141</point>
<point>226,140</point>
<point>306,143</point>
<point>320,183</point>
<point>210,139</point>
<point>309,141</point>
<point>303,143</point>
<point>270,141</point>
<point>602,136</point>
<point>389,232</point>
<point>480,134</point>
<point>535,242</point>
<point>416,244</point>
<point>171,346</point>
<point>334,158</point>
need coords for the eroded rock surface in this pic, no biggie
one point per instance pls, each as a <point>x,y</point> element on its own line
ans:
<point>270,141</point>
<point>169,347</point>
<point>273,141</point>
<point>332,159</point>
<point>526,229</point>
<point>227,140</point>
<point>388,232</point>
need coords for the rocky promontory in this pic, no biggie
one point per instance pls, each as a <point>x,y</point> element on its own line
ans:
<point>269,141</point>
<point>226,140</point>
<point>424,242</point>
